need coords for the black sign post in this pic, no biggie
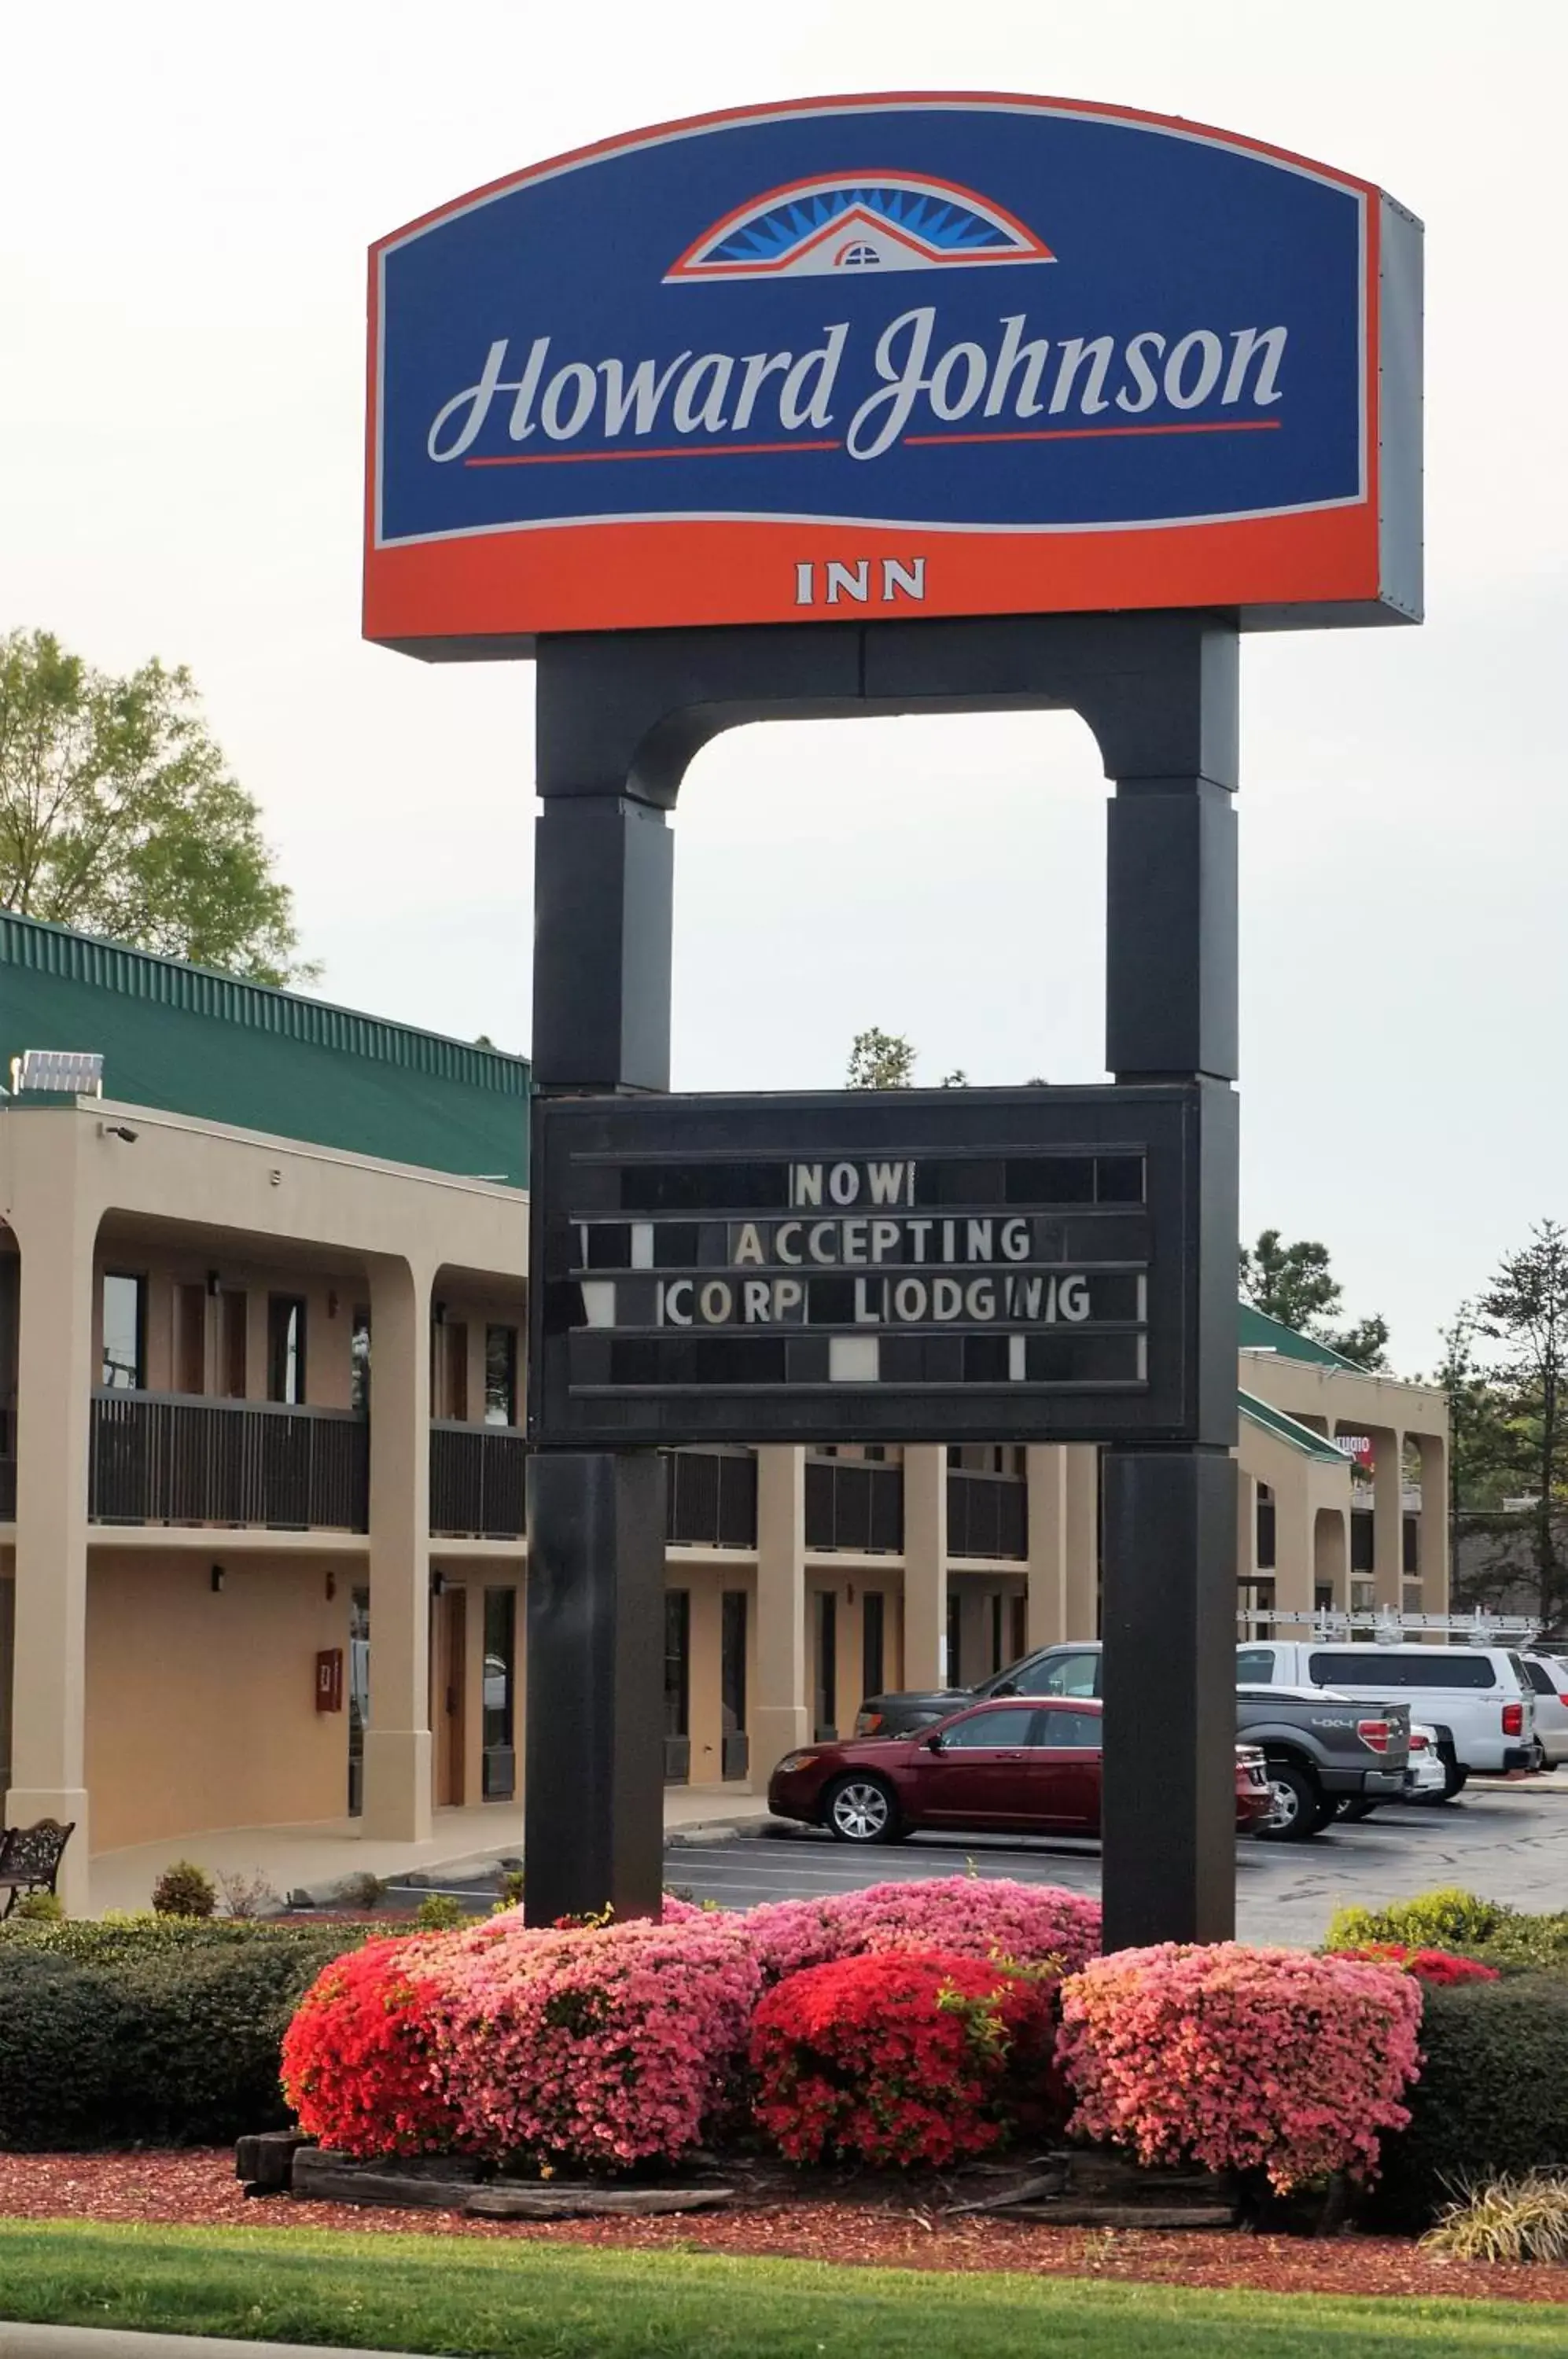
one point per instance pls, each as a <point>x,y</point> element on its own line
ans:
<point>1112,1319</point>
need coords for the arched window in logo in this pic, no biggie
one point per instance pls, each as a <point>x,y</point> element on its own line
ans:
<point>876,220</point>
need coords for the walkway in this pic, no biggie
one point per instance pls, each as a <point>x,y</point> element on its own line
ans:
<point>315,1858</point>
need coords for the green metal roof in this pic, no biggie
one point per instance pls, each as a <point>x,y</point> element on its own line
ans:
<point>1288,1429</point>
<point>192,1042</point>
<point>1262,1334</point>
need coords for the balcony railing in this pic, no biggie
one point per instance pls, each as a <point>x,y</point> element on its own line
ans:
<point>161,1458</point>
<point>987,1514</point>
<point>478,1480</point>
<point>854,1503</point>
<point>711,1498</point>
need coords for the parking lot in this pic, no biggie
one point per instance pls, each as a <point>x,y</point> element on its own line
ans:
<point>1509,1842</point>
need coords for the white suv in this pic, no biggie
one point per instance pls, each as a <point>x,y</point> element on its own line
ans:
<point>1548,1674</point>
<point>1479,1698</point>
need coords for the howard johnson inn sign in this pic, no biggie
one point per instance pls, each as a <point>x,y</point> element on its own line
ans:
<point>889,405</point>
<point>901,355</point>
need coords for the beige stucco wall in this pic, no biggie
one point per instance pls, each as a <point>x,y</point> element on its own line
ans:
<point>1342,1399</point>
<point>200,1706</point>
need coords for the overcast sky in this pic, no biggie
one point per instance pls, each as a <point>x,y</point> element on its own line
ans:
<point>186,195</point>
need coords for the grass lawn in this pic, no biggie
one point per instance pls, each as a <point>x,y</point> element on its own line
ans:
<point>526,2300</point>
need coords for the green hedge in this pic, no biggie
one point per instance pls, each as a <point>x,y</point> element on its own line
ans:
<point>161,2033</point>
<point>1450,1919</point>
<point>1492,2097</point>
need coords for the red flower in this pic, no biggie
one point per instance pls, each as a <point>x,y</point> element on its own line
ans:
<point>1441,1968</point>
<point>357,2057</point>
<point>901,2057</point>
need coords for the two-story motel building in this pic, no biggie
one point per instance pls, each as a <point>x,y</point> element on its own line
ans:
<point>262,1543</point>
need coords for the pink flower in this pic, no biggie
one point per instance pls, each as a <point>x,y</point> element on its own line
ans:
<point>1241,2058</point>
<point>964,1915</point>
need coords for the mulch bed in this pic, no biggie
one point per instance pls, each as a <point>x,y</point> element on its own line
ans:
<point>197,2187</point>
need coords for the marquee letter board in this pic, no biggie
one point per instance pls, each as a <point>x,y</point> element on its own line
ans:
<point>909,1266</point>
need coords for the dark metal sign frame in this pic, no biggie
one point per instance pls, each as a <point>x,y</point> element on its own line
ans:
<point>932,1266</point>
<point>620,716</point>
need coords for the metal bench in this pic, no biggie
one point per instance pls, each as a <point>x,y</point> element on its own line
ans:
<point>30,1858</point>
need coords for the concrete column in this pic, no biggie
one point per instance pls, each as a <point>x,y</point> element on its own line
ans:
<point>705,1720</point>
<point>925,1566</point>
<point>1045,1467</point>
<point>1388,1518</point>
<point>1246,1564</point>
<point>1332,1554</point>
<point>1063,1542</point>
<point>54,1213</point>
<point>397,1737</point>
<point>1081,1611</point>
<point>780,1715</point>
<point>1294,1554</point>
<point>1434,1544</point>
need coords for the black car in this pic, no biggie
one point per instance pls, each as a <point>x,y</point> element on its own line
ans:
<point>1061,1670</point>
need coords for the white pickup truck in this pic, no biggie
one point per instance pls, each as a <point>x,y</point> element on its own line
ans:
<point>1478,1699</point>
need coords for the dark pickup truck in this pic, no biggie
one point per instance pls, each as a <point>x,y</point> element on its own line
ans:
<point>1322,1750</point>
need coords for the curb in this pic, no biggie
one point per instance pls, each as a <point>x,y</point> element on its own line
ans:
<point>19,2341</point>
<point>431,1872</point>
<point>713,1831</point>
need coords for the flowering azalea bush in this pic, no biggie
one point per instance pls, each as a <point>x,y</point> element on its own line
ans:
<point>1441,1968</point>
<point>963,1916</point>
<point>607,2046</point>
<point>1241,2058</point>
<point>356,2064</point>
<point>901,2056</point>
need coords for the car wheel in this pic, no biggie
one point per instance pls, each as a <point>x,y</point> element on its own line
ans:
<point>1455,1779</point>
<point>1296,1804</point>
<point>862,1810</point>
<point>1356,1807</point>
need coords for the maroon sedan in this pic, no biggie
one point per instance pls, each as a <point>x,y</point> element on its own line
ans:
<point>1012,1768</point>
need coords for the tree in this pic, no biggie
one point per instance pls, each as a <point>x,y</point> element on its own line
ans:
<point>886,1060</point>
<point>1294,1284</point>
<point>880,1060</point>
<point>1484,1452</point>
<point>118,815</point>
<point>1525,1311</point>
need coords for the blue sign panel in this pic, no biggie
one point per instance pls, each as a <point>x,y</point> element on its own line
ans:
<point>951,355</point>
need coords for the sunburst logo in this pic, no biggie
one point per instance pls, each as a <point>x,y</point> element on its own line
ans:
<point>876,220</point>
